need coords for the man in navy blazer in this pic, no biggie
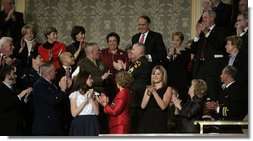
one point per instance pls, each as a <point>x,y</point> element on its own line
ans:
<point>155,50</point>
<point>48,101</point>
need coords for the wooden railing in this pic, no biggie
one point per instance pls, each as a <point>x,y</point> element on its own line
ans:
<point>219,122</point>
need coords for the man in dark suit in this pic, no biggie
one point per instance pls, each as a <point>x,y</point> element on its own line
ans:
<point>10,103</point>
<point>208,47</point>
<point>229,104</point>
<point>48,101</point>
<point>155,50</point>
<point>242,27</point>
<point>224,15</point>
<point>11,23</point>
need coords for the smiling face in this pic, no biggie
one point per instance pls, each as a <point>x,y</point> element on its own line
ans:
<point>52,37</point>
<point>157,76</point>
<point>112,43</point>
<point>143,25</point>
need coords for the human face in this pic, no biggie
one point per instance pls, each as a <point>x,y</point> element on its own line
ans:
<point>29,35</point>
<point>112,43</point>
<point>241,22</point>
<point>176,42</point>
<point>8,5</point>
<point>208,21</point>
<point>70,60</point>
<point>95,52</point>
<point>135,52</point>
<point>80,37</point>
<point>143,25</point>
<point>157,76</point>
<point>89,81</point>
<point>38,60</point>
<point>12,77</point>
<point>229,47</point>
<point>243,6</point>
<point>223,76</point>
<point>52,37</point>
<point>7,49</point>
<point>52,72</point>
<point>191,91</point>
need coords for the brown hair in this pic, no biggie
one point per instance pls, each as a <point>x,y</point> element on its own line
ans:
<point>235,40</point>
<point>124,79</point>
<point>49,30</point>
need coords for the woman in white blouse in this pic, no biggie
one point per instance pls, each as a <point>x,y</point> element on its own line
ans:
<point>84,107</point>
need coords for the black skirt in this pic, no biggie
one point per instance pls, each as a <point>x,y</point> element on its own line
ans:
<point>84,125</point>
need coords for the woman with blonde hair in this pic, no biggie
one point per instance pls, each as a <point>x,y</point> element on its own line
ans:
<point>156,98</point>
<point>193,109</point>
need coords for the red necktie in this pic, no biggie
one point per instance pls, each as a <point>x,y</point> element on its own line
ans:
<point>142,39</point>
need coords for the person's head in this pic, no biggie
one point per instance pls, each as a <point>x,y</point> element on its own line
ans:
<point>233,43</point>
<point>159,75</point>
<point>35,59</point>
<point>8,5</point>
<point>206,5</point>
<point>92,51</point>
<point>209,17</point>
<point>67,59</point>
<point>78,33</point>
<point>243,6</point>
<point>137,51</point>
<point>177,39</point>
<point>198,88</point>
<point>124,79</point>
<point>214,2</point>
<point>28,32</point>
<point>143,23</point>
<point>8,74</point>
<point>242,20</point>
<point>51,34</point>
<point>47,71</point>
<point>113,41</point>
<point>6,46</point>
<point>174,95</point>
<point>228,74</point>
<point>82,82</point>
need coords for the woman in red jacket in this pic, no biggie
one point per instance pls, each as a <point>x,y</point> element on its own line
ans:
<point>119,122</point>
<point>52,49</point>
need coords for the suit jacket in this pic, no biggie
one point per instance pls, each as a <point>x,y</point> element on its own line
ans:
<point>214,46</point>
<point>245,43</point>
<point>230,102</point>
<point>119,110</point>
<point>96,72</point>
<point>140,70</point>
<point>10,114</point>
<point>12,28</point>
<point>154,46</point>
<point>47,107</point>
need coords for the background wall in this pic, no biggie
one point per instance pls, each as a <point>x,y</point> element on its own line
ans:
<point>100,17</point>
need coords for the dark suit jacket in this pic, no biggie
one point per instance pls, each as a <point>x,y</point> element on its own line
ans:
<point>154,46</point>
<point>10,116</point>
<point>96,72</point>
<point>140,70</point>
<point>212,65</point>
<point>12,28</point>
<point>47,104</point>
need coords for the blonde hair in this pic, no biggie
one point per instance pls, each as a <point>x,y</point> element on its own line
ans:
<point>163,71</point>
<point>124,79</point>
<point>26,28</point>
<point>200,87</point>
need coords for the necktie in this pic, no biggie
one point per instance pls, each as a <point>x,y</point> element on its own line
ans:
<point>68,72</point>
<point>142,39</point>
<point>202,55</point>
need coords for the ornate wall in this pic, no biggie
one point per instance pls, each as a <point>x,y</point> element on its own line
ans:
<point>99,17</point>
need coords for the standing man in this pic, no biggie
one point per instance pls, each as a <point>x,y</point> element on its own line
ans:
<point>208,47</point>
<point>11,23</point>
<point>48,101</point>
<point>10,103</point>
<point>155,50</point>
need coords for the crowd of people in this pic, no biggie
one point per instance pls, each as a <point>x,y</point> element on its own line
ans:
<point>53,89</point>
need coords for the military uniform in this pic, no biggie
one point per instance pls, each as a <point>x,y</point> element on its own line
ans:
<point>140,70</point>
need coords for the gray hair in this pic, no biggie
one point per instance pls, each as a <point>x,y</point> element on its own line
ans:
<point>4,40</point>
<point>141,47</point>
<point>211,13</point>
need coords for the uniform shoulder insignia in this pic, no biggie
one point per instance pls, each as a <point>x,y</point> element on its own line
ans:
<point>131,70</point>
<point>137,64</point>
